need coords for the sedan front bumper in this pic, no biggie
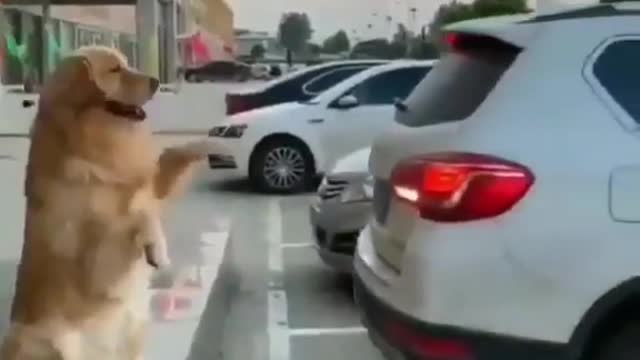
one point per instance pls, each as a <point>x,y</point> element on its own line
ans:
<point>336,227</point>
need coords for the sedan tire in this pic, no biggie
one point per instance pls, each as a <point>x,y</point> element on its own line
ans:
<point>282,166</point>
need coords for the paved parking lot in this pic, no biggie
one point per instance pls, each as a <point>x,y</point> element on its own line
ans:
<point>288,304</point>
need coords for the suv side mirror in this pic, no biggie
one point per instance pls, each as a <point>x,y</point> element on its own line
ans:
<point>347,102</point>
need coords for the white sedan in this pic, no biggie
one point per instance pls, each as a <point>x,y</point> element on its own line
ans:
<point>282,148</point>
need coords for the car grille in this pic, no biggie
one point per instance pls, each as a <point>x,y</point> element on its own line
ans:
<point>381,199</point>
<point>321,236</point>
<point>332,188</point>
<point>345,243</point>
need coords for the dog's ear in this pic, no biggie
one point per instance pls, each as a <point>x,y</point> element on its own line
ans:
<point>71,83</point>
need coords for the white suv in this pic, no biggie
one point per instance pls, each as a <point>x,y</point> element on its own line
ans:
<point>507,199</point>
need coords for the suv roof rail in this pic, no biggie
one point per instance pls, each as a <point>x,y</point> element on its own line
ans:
<point>623,8</point>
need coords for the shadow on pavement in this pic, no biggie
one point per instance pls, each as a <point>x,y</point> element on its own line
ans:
<point>344,284</point>
<point>232,186</point>
<point>243,186</point>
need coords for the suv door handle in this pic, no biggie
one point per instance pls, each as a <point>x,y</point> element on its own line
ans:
<point>28,103</point>
<point>315,121</point>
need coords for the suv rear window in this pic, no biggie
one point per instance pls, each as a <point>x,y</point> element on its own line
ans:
<point>618,72</point>
<point>458,84</point>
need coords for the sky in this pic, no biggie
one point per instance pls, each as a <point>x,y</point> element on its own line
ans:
<point>354,16</point>
<point>329,16</point>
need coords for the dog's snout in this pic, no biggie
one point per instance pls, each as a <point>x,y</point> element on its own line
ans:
<point>154,84</point>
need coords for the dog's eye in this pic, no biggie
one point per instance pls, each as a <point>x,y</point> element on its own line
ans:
<point>116,69</point>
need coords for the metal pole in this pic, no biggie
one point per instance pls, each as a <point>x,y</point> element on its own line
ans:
<point>171,31</point>
<point>44,39</point>
<point>147,36</point>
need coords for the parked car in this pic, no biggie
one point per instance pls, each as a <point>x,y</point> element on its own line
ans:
<point>17,109</point>
<point>290,87</point>
<point>341,209</point>
<point>260,71</point>
<point>219,71</point>
<point>515,236</point>
<point>282,148</point>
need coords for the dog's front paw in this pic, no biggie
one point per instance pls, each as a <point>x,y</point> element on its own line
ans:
<point>155,257</point>
<point>193,151</point>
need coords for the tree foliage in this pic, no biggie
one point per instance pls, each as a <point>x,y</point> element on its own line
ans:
<point>402,35</point>
<point>422,49</point>
<point>376,48</point>
<point>379,49</point>
<point>314,49</point>
<point>294,31</point>
<point>403,44</point>
<point>337,43</point>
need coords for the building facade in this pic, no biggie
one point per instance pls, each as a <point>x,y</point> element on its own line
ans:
<point>69,27</point>
<point>246,40</point>
<point>22,54</point>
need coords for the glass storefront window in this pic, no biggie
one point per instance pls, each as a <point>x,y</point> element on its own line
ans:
<point>21,53</point>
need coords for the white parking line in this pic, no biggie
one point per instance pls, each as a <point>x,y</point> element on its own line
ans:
<point>277,312</point>
<point>328,331</point>
<point>297,245</point>
<point>274,236</point>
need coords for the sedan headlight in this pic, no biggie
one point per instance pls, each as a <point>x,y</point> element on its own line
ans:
<point>231,131</point>
<point>217,131</point>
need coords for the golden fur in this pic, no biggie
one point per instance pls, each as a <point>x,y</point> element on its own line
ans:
<point>95,186</point>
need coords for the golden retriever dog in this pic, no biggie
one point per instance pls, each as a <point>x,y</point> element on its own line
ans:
<point>95,188</point>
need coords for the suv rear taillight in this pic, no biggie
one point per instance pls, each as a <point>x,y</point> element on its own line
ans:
<point>452,187</point>
<point>461,42</point>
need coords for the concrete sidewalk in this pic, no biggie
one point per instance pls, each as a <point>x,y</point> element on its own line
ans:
<point>11,227</point>
<point>189,301</point>
<point>193,108</point>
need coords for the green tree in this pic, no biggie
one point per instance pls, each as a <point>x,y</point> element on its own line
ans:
<point>379,49</point>
<point>422,49</point>
<point>399,46</point>
<point>314,49</point>
<point>337,43</point>
<point>485,8</point>
<point>294,32</point>
<point>402,35</point>
<point>258,51</point>
<point>375,48</point>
